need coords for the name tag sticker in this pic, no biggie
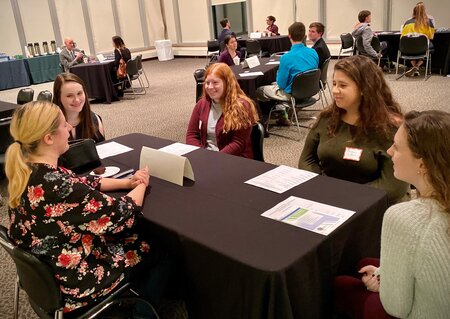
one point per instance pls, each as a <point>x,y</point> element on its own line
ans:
<point>353,154</point>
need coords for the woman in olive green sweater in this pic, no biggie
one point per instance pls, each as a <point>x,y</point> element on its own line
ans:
<point>351,137</point>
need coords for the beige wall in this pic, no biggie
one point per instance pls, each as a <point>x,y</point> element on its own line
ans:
<point>194,21</point>
<point>10,43</point>
<point>283,11</point>
<point>102,24</point>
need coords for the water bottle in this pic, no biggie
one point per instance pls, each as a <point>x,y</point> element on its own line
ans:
<point>31,49</point>
<point>53,46</point>
<point>37,49</point>
<point>45,47</point>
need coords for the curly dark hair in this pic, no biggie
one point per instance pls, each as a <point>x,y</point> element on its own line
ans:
<point>379,113</point>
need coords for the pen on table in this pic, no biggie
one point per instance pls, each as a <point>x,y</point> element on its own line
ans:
<point>124,174</point>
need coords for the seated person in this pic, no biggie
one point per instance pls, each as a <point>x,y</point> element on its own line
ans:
<point>120,52</point>
<point>88,238</point>
<point>299,59</point>
<point>363,35</point>
<point>223,118</point>
<point>351,136</point>
<point>410,280</point>
<point>419,23</point>
<point>315,33</point>
<point>230,55</point>
<point>226,25</point>
<point>69,93</point>
<point>272,28</point>
<point>70,56</point>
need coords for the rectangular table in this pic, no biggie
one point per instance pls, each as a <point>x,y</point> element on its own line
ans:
<point>274,44</point>
<point>239,264</point>
<point>43,68</point>
<point>250,84</point>
<point>13,74</point>
<point>98,80</point>
<point>440,58</point>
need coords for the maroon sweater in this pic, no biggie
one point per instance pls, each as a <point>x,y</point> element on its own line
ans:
<point>234,142</point>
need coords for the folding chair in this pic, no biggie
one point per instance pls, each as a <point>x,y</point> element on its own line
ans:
<point>347,44</point>
<point>414,47</point>
<point>212,52</point>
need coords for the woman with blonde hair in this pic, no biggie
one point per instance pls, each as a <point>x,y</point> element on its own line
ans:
<point>222,119</point>
<point>351,136</point>
<point>410,280</point>
<point>422,24</point>
<point>88,238</point>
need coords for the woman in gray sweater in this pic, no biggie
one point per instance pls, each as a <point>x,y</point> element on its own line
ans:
<point>411,279</point>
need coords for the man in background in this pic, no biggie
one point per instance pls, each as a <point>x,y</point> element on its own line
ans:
<point>226,25</point>
<point>363,35</point>
<point>315,34</point>
<point>70,56</point>
<point>299,59</point>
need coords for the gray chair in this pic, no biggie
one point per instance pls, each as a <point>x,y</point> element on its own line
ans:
<point>141,69</point>
<point>253,47</point>
<point>45,96</point>
<point>212,51</point>
<point>25,95</point>
<point>414,47</point>
<point>347,44</point>
<point>324,79</point>
<point>257,138</point>
<point>305,86</point>
<point>37,279</point>
<point>132,75</point>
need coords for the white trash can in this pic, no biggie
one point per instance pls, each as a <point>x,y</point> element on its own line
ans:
<point>164,50</point>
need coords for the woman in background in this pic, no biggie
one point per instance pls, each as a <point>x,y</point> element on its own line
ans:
<point>419,23</point>
<point>350,138</point>
<point>230,54</point>
<point>120,51</point>
<point>411,278</point>
<point>69,93</point>
<point>88,238</point>
<point>272,28</point>
<point>222,119</point>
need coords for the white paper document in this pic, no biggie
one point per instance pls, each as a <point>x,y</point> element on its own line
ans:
<point>281,179</point>
<point>316,217</point>
<point>111,149</point>
<point>169,167</point>
<point>178,148</point>
<point>272,62</point>
<point>248,74</point>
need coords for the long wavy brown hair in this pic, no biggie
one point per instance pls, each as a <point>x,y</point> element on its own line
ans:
<point>85,117</point>
<point>420,15</point>
<point>379,113</point>
<point>428,135</point>
<point>235,114</point>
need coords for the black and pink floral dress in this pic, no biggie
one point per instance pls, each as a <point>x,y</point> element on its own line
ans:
<point>84,234</point>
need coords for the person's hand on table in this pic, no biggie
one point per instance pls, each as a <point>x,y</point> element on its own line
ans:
<point>371,278</point>
<point>140,177</point>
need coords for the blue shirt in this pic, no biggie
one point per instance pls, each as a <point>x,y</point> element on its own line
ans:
<point>299,59</point>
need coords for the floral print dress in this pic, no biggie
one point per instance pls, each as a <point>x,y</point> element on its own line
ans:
<point>85,235</point>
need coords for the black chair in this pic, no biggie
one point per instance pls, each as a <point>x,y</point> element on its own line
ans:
<point>253,48</point>
<point>324,79</point>
<point>376,45</point>
<point>141,69</point>
<point>45,96</point>
<point>38,280</point>
<point>25,95</point>
<point>199,76</point>
<point>132,75</point>
<point>414,47</point>
<point>257,137</point>
<point>347,44</point>
<point>212,51</point>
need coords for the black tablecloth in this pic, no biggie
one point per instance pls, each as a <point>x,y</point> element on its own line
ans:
<point>239,264</point>
<point>271,45</point>
<point>440,58</point>
<point>97,77</point>
<point>7,109</point>
<point>250,84</point>
<point>13,74</point>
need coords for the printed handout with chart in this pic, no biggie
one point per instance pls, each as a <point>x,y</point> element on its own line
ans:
<point>316,217</point>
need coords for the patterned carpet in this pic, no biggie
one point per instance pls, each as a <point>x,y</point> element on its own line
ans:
<point>165,110</point>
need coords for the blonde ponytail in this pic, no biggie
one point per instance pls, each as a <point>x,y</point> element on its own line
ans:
<point>30,123</point>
